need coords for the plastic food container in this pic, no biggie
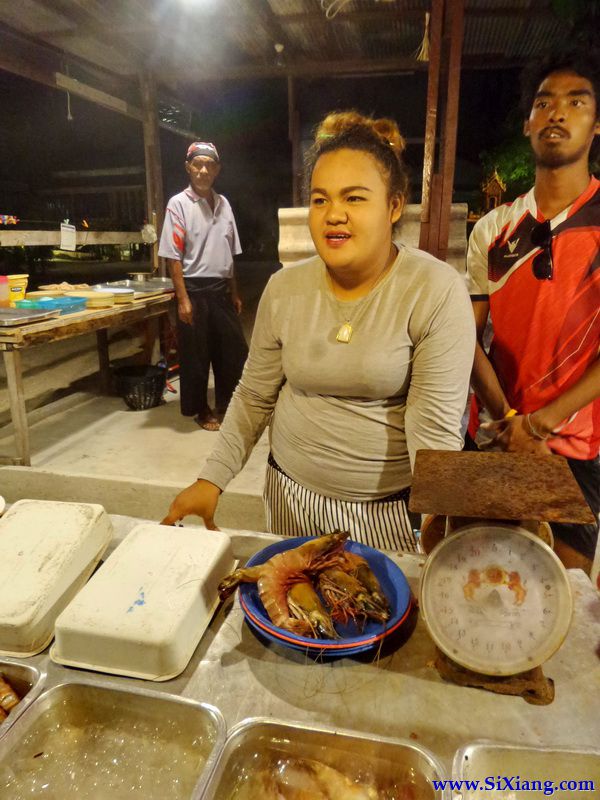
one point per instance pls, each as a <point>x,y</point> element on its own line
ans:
<point>44,293</point>
<point>257,748</point>
<point>65,305</point>
<point>94,299</point>
<point>49,549</point>
<point>550,766</point>
<point>122,293</point>
<point>17,287</point>
<point>145,610</point>
<point>99,741</point>
<point>27,681</point>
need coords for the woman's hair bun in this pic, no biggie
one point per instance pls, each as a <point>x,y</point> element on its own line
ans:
<point>341,122</point>
<point>380,138</point>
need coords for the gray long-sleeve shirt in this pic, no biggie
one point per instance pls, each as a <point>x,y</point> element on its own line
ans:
<point>347,419</point>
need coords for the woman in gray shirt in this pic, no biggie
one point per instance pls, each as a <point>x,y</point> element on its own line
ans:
<point>359,357</point>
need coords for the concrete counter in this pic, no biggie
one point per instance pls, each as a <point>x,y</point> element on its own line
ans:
<point>398,694</point>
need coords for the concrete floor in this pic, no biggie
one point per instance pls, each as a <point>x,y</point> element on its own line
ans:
<point>94,449</point>
<point>91,448</point>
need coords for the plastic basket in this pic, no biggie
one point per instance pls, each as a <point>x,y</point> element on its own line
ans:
<point>141,386</point>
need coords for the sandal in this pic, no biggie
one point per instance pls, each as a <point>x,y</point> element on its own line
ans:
<point>208,422</point>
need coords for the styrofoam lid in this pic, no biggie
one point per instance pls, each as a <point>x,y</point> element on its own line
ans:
<point>145,610</point>
<point>48,549</point>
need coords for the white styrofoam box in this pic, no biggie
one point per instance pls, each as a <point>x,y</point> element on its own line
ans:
<point>49,549</point>
<point>145,610</point>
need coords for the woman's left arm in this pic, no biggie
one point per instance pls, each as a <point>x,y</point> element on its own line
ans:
<point>441,368</point>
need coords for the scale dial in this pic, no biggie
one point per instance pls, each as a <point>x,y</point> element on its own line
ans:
<point>495,599</point>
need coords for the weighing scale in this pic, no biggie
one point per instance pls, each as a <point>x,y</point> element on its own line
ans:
<point>495,598</point>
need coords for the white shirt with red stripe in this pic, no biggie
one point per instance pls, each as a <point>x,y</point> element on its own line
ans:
<point>205,241</point>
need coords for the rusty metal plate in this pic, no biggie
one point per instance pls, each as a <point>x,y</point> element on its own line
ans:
<point>497,486</point>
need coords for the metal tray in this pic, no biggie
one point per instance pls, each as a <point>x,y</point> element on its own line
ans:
<point>358,756</point>
<point>160,283</point>
<point>110,287</point>
<point>27,681</point>
<point>23,316</point>
<point>150,286</point>
<point>549,765</point>
<point>62,729</point>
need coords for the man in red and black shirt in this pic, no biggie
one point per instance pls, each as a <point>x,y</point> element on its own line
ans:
<point>534,268</point>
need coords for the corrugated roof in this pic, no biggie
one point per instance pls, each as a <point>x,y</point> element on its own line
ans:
<point>184,42</point>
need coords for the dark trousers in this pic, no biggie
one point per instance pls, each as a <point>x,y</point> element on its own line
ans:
<point>582,538</point>
<point>214,338</point>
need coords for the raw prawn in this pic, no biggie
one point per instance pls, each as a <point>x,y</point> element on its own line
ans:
<point>304,604</point>
<point>343,594</point>
<point>278,575</point>
<point>303,779</point>
<point>359,567</point>
<point>312,780</point>
<point>348,596</point>
<point>8,696</point>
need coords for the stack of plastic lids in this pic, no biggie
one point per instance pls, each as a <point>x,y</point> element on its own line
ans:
<point>49,549</point>
<point>145,610</point>
<point>66,305</point>
<point>95,299</point>
<point>122,294</point>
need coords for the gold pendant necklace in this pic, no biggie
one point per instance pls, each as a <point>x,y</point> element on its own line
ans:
<point>345,333</point>
<point>346,330</point>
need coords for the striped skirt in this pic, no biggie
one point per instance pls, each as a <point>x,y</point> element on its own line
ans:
<point>294,510</point>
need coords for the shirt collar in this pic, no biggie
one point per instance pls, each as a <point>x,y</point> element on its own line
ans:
<point>195,197</point>
<point>531,203</point>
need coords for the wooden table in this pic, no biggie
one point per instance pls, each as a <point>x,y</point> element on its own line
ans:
<point>19,337</point>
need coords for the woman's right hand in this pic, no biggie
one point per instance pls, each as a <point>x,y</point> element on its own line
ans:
<point>185,310</point>
<point>200,498</point>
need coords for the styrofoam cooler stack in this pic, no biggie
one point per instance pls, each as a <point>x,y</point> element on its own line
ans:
<point>49,549</point>
<point>145,610</point>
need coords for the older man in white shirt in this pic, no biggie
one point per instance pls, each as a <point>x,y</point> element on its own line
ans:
<point>199,239</point>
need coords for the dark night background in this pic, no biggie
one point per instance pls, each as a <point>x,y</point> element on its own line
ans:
<point>248,122</point>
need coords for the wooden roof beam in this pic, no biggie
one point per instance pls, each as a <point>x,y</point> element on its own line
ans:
<point>333,69</point>
<point>86,24</point>
<point>43,54</point>
<point>34,63</point>
<point>390,14</point>
<point>304,69</point>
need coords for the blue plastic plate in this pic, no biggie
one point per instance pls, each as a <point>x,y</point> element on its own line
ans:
<point>390,576</point>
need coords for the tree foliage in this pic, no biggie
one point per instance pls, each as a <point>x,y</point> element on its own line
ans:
<point>512,157</point>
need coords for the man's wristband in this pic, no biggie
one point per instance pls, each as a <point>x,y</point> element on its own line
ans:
<point>534,432</point>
